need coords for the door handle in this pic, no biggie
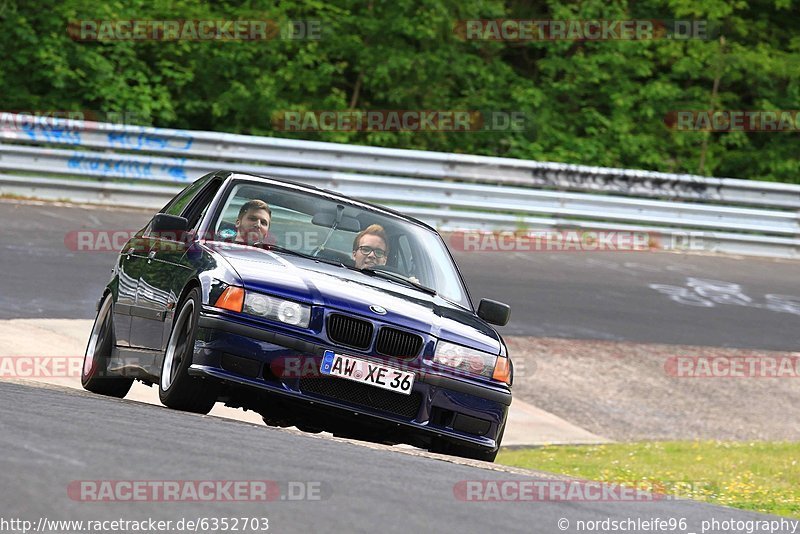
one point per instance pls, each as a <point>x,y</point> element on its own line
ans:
<point>151,255</point>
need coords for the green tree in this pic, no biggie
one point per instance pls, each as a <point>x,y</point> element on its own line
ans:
<point>591,102</point>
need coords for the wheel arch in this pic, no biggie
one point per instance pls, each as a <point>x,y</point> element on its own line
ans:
<point>190,285</point>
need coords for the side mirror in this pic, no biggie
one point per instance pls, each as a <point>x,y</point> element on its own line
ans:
<point>169,228</point>
<point>494,312</point>
<point>171,225</point>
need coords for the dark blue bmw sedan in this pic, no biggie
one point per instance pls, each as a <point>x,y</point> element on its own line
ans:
<point>313,309</point>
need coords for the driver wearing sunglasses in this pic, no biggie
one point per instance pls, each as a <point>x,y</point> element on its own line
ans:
<point>369,247</point>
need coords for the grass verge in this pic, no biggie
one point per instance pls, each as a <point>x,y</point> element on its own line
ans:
<point>757,476</point>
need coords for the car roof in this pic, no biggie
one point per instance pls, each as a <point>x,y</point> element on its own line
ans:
<point>258,178</point>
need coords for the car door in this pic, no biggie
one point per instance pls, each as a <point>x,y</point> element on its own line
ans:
<point>149,309</point>
<point>131,261</point>
<point>168,271</point>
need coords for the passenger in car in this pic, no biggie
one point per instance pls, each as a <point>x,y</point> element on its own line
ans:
<point>252,223</point>
<point>369,247</point>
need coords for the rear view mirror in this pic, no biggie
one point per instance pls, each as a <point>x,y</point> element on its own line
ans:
<point>326,219</point>
<point>494,312</point>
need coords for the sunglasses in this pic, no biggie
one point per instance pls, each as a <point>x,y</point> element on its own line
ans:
<point>365,250</point>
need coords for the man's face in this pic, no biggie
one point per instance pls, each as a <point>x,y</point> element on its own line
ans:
<point>253,226</point>
<point>376,244</point>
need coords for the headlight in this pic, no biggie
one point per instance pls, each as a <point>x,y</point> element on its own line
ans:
<point>285,311</point>
<point>465,359</point>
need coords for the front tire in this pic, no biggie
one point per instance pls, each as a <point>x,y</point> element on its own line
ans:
<point>176,389</point>
<point>94,374</point>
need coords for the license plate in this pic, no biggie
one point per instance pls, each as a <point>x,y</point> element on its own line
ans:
<point>367,372</point>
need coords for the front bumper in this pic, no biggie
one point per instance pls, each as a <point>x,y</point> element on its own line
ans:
<point>456,408</point>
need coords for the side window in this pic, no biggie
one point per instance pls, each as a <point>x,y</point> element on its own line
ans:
<point>199,204</point>
<point>176,206</point>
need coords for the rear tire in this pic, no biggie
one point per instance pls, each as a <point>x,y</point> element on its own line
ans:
<point>176,389</point>
<point>94,374</point>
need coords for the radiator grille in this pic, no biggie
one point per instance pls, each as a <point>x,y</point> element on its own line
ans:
<point>393,342</point>
<point>349,331</point>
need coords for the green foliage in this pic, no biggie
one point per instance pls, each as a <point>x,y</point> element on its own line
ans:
<point>592,102</point>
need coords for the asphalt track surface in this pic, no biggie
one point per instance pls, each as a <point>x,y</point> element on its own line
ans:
<point>581,295</point>
<point>52,438</point>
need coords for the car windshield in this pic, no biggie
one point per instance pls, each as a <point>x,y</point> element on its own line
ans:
<point>316,225</point>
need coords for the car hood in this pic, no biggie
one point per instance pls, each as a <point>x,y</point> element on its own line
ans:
<point>350,291</point>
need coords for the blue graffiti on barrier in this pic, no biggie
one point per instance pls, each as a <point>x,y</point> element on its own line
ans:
<point>127,168</point>
<point>176,171</point>
<point>52,134</point>
<point>144,141</point>
<point>122,168</point>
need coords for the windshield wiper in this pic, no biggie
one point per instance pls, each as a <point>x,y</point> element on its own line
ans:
<point>278,248</point>
<point>394,277</point>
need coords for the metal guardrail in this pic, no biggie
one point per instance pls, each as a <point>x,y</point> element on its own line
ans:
<point>397,162</point>
<point>451,191</point>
